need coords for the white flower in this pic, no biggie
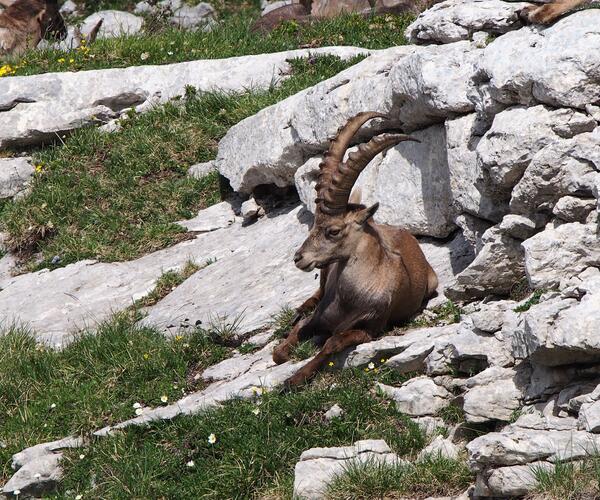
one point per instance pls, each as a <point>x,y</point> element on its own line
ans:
<point>52,406</point>
<point>256,411</point>
<point>371,366</point>
<point>197,376</point>
<point>139,411</point>
<point>170,52</point>
<point>137,405</point>
<point>16,493</point>
<point>164,398</point>
<point>81,457</point>
<point>144,56</point>
<point>78,497</point>
<point>212,439</point>
<point>190,463</point>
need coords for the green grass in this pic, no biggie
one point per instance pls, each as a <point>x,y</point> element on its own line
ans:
<point>444,314</point>
<point>232,37</point>
<point>115,196</point>
<point>166,283</point>
<point>253,454</point>
<point>568,480</point>
<point>93,382</point>
<point>433,476</point>
<point>531,301</point>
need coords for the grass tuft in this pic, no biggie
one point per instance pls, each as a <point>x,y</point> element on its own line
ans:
<point>568,480</point>
<point>532,301</point>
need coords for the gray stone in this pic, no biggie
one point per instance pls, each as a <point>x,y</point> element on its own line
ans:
<point>318,466</point>
<point>15,174</point>
<point>115,23</point>
<point>38,451</point>
<point>495,270</point>
<point>558,66</point>
<point>491,316</point>
<point>69,8</point>
<point>33,109</point>
<point>269,147</point>
<point>200,170</point>
<point>440,447</point>
<point>251,210</point>
<point>237,366</point>
<point>418,397</point>
<point>589,417</point>
<point>455,20</point>
<point>494,394</point>
<point>560,252</point>
<point>517,226</point>
<point>518,133</point>
<point>215,217</point>
<point>515,481</point>
<point>269,6</point>
<point>573,209</point>
<point>334,412</point>
<point>566,167</point>
<point>56,304</point>
<point>193,16</point>
<point>430,425</point>
<point>254,271</point>
<point>35,478</point>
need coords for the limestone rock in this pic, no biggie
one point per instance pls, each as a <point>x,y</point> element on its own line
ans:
<point>440,447</point>
<point>200,170</point>
<point>334,412</point>
<point>497,267</point>
<point>33,109</point>
<point>557,66</point>
<point>15,174</point>
<point>418,397</point>
<point>573,209</point>
<point>318,466</point>
<point>60,302</point>
<point>251,210</point>
<point>217,216</point>
<point>115,23</point>
<point>589,417</point>
<point>517,226</point>
<point>430,425</point>
<point>22,458</point>
<point>561,252</point>
<point>36,477</point>
<point>494,394</point>
<point>455,20</point>
<point>237,366</point>
<point>514,481</point>
<point>492,315</point>
<point>193,16</point>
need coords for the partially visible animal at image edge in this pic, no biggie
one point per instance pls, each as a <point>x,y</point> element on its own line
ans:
<point>373,276</point>
<point>550,12</point>
<point>24,23</point>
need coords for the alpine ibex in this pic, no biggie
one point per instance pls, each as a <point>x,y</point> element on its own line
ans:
<point>372,275</point>
<point>550,12</point>
<point>24,23</point>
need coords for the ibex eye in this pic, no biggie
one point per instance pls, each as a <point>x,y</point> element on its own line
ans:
<point>334,232</point>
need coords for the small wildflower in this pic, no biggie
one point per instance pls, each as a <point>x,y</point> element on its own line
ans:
<point>170,52</point>
<point>137,405</point>
<point>197,376</point>
<point>52,406</point>
<point>376,370</point>
<point>39,168</point>
<point>366,369</point>
<point>61,60</point>
<point>371,366</point>
<point>144,56</point>
<point>81,457</point>
<point>178,338</point>
<point>164,398</point>
<point>383,360</point>
<point>256,411</point>
<point>212,439</point>
<point>78,497</point>
<point>331,363</point>
<point>71,61</point>
<point>190,463</point>
<point>139,411</point>
<point>146,355</point>
<point>186,345</point>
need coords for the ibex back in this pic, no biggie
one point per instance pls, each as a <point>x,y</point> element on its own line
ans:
<point>373,276</point>
<point>24,23</point>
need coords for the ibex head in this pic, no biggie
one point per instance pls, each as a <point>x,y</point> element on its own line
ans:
<point>340,224</point>
<point>52,24</point>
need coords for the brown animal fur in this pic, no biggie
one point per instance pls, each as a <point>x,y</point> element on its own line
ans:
<point>302,13</point>
<point>550,12</point>
<point>372,275</point>
<point>24,23</point>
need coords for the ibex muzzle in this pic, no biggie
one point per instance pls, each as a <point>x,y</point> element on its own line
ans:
<point>372,275</point>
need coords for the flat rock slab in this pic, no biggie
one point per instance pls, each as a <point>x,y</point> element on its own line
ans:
<point>218,216</point>
<point>56,304</point>
<point>33,109</point>
<point>15,173</point>
<point>250,282</point>
<point>318,466</point>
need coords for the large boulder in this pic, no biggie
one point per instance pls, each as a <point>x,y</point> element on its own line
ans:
<point>35,109</point>
<point>455,20</point>
<point>115,23</point>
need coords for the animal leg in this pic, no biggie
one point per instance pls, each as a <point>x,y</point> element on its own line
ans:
<point>334,344</point>
<point>549,12</point>
<point>281,353</point>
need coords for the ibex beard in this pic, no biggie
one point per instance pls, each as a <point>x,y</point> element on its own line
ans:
<point>373,276</point>
<point>24,23</point>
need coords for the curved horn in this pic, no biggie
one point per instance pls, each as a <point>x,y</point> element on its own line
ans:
<point>335,196</point>
<point>337,148</point>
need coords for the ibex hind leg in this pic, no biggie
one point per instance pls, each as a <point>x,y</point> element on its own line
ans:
<point>548,13</point>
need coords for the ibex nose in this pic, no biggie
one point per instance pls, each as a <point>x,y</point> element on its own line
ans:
<point>297,257</point>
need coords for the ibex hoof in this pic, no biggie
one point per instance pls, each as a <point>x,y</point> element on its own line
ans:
<point>280,356</point>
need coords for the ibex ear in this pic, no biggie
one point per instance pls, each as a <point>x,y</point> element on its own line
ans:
<point>40,16</point>
<point>365,214</point>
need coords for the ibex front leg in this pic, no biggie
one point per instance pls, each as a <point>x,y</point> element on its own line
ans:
<point>281,353</point>
<point>336,343</point>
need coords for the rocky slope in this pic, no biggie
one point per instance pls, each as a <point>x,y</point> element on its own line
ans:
<point>503,189</point>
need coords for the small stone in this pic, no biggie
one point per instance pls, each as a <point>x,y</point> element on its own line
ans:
<point>589,417</point>
<point>334,412</point>
<point>440,447</point>
<point>251,210</point>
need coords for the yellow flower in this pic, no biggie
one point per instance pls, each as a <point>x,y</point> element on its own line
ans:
<point>366,369</point>
<point>61,60</point>
<point>178,337</point>
<point>71,61</point>
<point>38,168</point>
<point>383,360</point>
<point>7,69</point>
<point>146,355</point>
<point>331,363</point>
